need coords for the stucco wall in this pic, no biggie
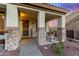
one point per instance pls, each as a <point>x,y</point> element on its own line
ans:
<point>32,25</point>
<point>1,22</point>
<point>73,26</point>
<point>72,21</point>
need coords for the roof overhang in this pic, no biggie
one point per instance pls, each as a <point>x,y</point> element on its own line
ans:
<point>49,7</point>
<point>45,7</point>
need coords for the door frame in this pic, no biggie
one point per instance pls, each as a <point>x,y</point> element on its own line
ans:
<point>27,29</point>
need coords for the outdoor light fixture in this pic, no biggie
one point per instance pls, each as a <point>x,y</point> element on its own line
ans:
<point>3,17</point>
<point>22,14</point>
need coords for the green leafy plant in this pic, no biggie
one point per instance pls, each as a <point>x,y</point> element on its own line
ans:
<point>58,48</point>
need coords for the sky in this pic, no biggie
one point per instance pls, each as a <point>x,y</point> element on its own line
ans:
<point>72,7</point>
<point>69,6</point>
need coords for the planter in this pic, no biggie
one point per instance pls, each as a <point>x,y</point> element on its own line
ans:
<point>58,49</point>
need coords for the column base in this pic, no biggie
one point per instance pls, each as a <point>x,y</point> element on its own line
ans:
<point>12,38</point>
<point>61,34</point>
<point>41,36</point>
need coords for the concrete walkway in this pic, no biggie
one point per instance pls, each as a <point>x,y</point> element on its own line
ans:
<point>29,48</point>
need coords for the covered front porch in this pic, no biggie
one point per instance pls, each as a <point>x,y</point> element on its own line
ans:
<point>36,28</point>
<point>22,22</point>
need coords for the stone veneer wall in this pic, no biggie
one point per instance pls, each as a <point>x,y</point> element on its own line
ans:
<point>12,38</point>
<point>61,33</point>
<point>42,36</point>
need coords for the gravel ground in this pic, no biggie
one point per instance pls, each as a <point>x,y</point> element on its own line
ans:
<point>70,49</point>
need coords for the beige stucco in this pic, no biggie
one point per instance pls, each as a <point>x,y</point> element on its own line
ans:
<point>72,21</point>
<point>73,26</point>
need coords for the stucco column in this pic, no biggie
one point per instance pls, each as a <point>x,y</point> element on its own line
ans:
<point>61,29</point>
<point>11,25</point>
<point>41,28</point>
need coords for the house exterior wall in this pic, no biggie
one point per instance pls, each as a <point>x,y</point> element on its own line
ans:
<point>74,26</point>
<point>1,23</point>
<point>12,26</point>
<point>32,28</point>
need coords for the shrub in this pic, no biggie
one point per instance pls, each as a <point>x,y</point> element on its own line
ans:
<point>58,48</point>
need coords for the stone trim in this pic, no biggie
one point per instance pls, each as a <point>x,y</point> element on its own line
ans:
<point>41,36</point>
<point>12,38</point>
<point>61,33</point>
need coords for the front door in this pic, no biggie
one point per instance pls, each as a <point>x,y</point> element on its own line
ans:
<point>25,28</point>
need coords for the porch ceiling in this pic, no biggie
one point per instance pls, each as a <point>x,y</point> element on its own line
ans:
<point>32,15</point>
<point>51,17</point>
<point>28,14</point>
